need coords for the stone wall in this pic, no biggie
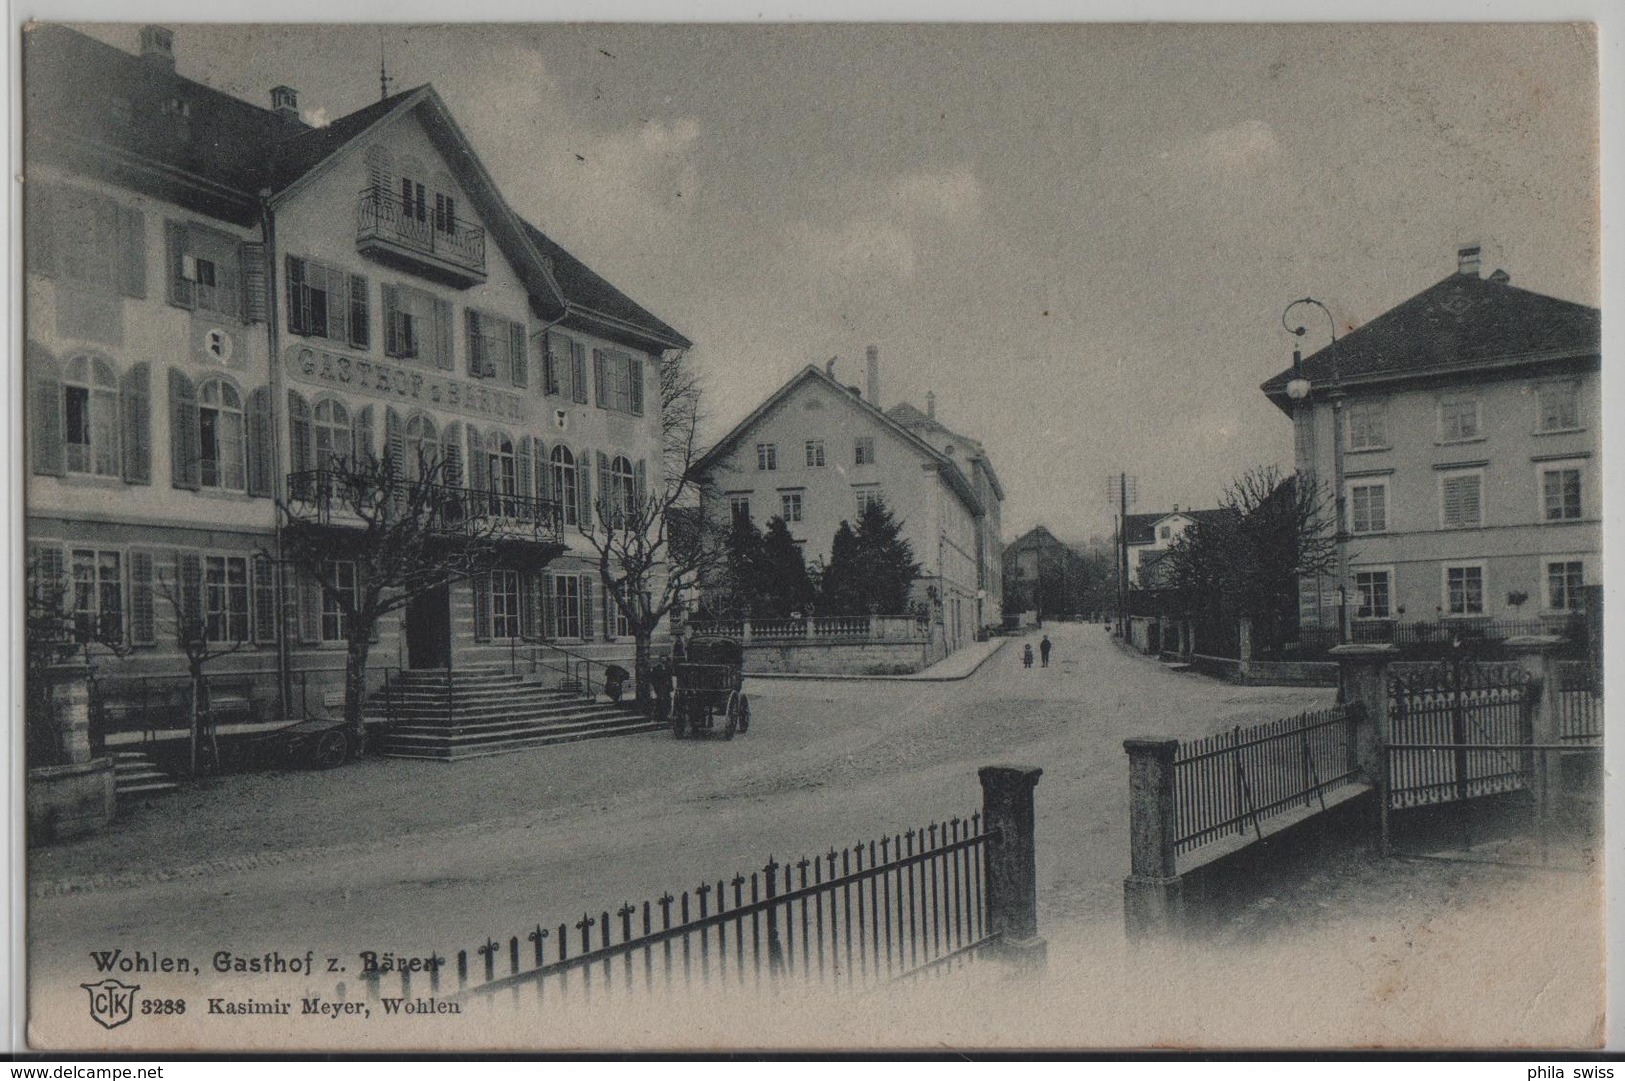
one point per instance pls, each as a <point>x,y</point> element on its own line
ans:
<point>853,658</point>
<point>69,801</point>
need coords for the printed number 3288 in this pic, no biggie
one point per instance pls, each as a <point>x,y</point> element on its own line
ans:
<point>163,1005</point>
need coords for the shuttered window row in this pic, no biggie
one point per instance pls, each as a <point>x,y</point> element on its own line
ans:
<point>87,239</point>
<point>1462,498</point>
<point>212,271</point>
<point>496,348</point>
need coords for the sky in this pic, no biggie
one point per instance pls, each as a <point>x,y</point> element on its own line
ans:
<point>1080,238</point>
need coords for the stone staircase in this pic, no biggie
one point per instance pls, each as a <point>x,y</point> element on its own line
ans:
<point>135,775</point>
<point>487,711</point>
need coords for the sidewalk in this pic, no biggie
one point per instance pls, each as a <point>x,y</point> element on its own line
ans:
<point>955,666</point>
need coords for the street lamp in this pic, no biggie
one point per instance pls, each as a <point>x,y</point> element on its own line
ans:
<point>1299,389</point>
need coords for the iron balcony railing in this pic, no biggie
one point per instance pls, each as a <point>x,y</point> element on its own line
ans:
<point>382,217</point>
<point>336,498</point>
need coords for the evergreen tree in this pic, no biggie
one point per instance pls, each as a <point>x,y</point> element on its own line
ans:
<point>871,568</point>
<point>741,566</point>
<point>782,582</point>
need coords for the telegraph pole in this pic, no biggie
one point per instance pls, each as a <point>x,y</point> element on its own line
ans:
<point>1125,488</point>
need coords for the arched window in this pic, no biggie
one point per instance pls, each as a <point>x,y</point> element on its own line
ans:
<point>422,447</point>
<point>335,438</point>
<point>220,436</point>
<point>564,482</point>
<point>91,434</point>
<point>623,490</point>
<point>504,473</point>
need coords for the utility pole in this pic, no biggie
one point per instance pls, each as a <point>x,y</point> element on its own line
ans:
<point>1125,488</point>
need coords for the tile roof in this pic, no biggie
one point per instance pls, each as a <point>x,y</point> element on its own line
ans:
<point>582,286</point>
<point>910,417</point>
<point>1461,323</point>
<point>1141,528</point>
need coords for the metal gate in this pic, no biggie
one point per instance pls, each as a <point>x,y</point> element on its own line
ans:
<point>1457,730</point>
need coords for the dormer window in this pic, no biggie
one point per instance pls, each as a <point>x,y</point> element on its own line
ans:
<point>177,107</point>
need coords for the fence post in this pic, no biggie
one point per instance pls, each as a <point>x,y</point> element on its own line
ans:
<point>1533,653</point>
<point>1012,876</point>
<point>1151,893</point>
<point>1244,641</point>
<point>1362,688</point>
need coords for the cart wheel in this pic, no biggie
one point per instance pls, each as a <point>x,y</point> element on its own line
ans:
<point>744,712</point>
<point>331,750</point>
<point>732,725</point>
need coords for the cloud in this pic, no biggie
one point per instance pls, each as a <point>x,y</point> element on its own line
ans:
<point>1246,149</point>
<point>954,194</point>
<point>316,118</point>
<point>865,248</point>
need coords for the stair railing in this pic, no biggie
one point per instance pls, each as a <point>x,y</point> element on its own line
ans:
<point>574,667</point>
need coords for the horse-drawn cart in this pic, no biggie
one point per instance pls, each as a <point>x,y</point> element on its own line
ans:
<point>710,687</point>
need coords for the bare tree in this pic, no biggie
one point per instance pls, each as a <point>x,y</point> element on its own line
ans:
<point>193,634</point>
<point>56,637</point>
<point>650,538</point>
<point>1248,562</point>
<point>404,536</point>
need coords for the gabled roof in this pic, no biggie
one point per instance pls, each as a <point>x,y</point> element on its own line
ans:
<point>225,151</point>
<point>910,417</point>
<point>1142,528</point>
<point>945,465</point>
<point>1463,323</point>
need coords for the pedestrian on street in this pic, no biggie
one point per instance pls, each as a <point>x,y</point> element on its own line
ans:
<point>660,677</point>
<point>1043,650</point>
<point>1027,655</point>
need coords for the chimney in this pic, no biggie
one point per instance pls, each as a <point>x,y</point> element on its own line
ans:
<point>1467,259</point>
<point>931,404</point>
<point>829,366</point>
<point>874,375</point>
<point>285,102</point>
<point>158,46</point>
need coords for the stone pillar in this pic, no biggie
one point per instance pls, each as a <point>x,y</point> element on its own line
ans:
<point>70,708</point>
<point>1151,893</point>
<point>1012,874</point>
<point>1244,638</point>
<point>744,632</point>
<point>1362,681</point>
<point>1533,653</point>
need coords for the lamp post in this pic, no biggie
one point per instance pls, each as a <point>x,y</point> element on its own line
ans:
<point>1300,390</point>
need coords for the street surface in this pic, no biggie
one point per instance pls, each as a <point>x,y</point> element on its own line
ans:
<point>427,857</point>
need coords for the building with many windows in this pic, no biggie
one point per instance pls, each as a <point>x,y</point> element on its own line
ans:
<point>225,305</point>
<point>1459,434</point>
<point>816,453</point>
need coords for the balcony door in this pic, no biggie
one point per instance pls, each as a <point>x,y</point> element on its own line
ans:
<point>428,629</point>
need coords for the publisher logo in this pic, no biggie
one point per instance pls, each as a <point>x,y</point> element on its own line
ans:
<point>111,1003</point>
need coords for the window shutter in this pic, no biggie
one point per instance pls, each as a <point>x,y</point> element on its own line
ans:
<point>261,455</point>
<point>132,235</point>
<point>181,291</point>
<point>634,374</point>
<point>338,304</point>
<point>392,320</point>
<point>184,467</point>
<point>39,225</point>
<point>394,443</point>
<point>544,471</point>
<point>476,352</point>
<point>358,316</point>
<point>45,422</point>
<point>190,566</point>
<point>527,604</point>
<point>478,471</point>
<point>544,582</point>
<point>482,606</point>
<point>310,610</point>
<point>518,359</point>
<point>364,452</point>
<point>378,176</point>
<point>143,620</point>
<point>251,271</point>
<point>578,372</point>
<point>1470,509</point>
<point>452,453</point>
<point>640,485</point>
<point>598,377</point>
<point>523,466</point>
<point>605,491</point>
<point>298,432</point>
<point>264,597</point>
<point>135,425</point>
<point>555,364</point>
<point>297,316</point>
<point>584,490</point>
<point>444,332</point>
<point>586,607</point>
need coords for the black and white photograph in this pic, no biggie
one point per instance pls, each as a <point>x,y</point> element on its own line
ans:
<point>809,536</point>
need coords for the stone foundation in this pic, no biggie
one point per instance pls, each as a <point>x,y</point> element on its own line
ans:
<point>69,801</point>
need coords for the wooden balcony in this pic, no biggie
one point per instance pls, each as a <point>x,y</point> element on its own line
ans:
<point>449,252</point>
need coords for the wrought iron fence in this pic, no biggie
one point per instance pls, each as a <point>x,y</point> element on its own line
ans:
<point>1459,730</point>
<point>1228,783</point>
<point>1578,697</point>
<point>333,497</point>
<point>850,918</point>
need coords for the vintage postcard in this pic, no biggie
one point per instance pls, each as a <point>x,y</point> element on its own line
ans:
<point>679,537</point>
